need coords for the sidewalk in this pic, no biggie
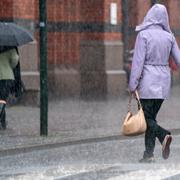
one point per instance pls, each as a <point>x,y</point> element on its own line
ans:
<point>75,121</point>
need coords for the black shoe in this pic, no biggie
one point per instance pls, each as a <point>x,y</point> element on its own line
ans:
<point>147,160</point>
<point>166,146</point>
<point>3,116</point>
<point>4,121</point>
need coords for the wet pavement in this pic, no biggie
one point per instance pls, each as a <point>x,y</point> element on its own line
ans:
<point>111,160</point>
<point>75,121</point>
<point>84,142</point>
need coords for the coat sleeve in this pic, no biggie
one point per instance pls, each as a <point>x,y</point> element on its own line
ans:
<point>175,52</point>
<point>138,61</point>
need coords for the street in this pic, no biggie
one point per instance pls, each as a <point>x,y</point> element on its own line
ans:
<point>79,145</point>
<point>108,159</point>
<point>101,159</point>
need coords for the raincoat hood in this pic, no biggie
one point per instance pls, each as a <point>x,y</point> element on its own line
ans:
<point>157,15</point>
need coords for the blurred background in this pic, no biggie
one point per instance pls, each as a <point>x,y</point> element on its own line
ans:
<point>89,43</point>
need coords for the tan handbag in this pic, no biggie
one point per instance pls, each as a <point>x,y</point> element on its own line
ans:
<point>134,124</point>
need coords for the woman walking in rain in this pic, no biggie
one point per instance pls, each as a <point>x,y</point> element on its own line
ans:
<point>150,74</point>
<point>9,59</point>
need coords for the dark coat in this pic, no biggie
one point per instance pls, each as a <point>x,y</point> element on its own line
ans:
<point>12,88</point>
<point>18,86</point>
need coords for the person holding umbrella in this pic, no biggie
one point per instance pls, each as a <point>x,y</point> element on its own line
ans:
<point>9,59</point>
<point>151,75</point>
<point>11,36</point>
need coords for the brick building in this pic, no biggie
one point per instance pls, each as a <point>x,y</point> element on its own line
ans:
<point>85,42</point>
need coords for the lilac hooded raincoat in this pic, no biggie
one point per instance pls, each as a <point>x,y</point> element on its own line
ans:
<point>150,73</point>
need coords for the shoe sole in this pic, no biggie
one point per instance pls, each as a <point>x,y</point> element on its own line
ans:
<point>166,147</point>
<point>147,161</point>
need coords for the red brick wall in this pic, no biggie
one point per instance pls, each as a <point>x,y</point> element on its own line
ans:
<point>92,10</point>
<point>64,10</point>
<point>63,45</point>
<point>6,8</point>
<point>173,9</point>
<point>36,7</point>
<point>142,8</point>
<point>65,48</point>
<point>107,10</point>
<point>139,8</point>
<point>99,11</point>
<point>174,16</point>
<point>112,36</point>
<point>24,9</point>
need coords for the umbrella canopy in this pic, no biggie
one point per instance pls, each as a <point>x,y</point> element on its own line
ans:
<point>13,35</point>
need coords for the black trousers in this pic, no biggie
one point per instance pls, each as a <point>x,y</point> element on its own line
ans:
<point>151,108</point>
<point>5,89</point>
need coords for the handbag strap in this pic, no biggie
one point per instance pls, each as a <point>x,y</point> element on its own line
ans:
<point>138,101</point>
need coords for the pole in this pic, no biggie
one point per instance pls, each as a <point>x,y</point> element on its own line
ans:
<point>125,29</point>
<point>43,69</point>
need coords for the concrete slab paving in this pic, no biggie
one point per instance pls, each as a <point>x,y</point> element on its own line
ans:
<point>76,120</point>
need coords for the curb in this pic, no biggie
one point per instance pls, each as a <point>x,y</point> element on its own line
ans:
<point>37,147</point>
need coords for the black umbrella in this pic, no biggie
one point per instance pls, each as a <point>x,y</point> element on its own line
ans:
<point>13,35</point>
